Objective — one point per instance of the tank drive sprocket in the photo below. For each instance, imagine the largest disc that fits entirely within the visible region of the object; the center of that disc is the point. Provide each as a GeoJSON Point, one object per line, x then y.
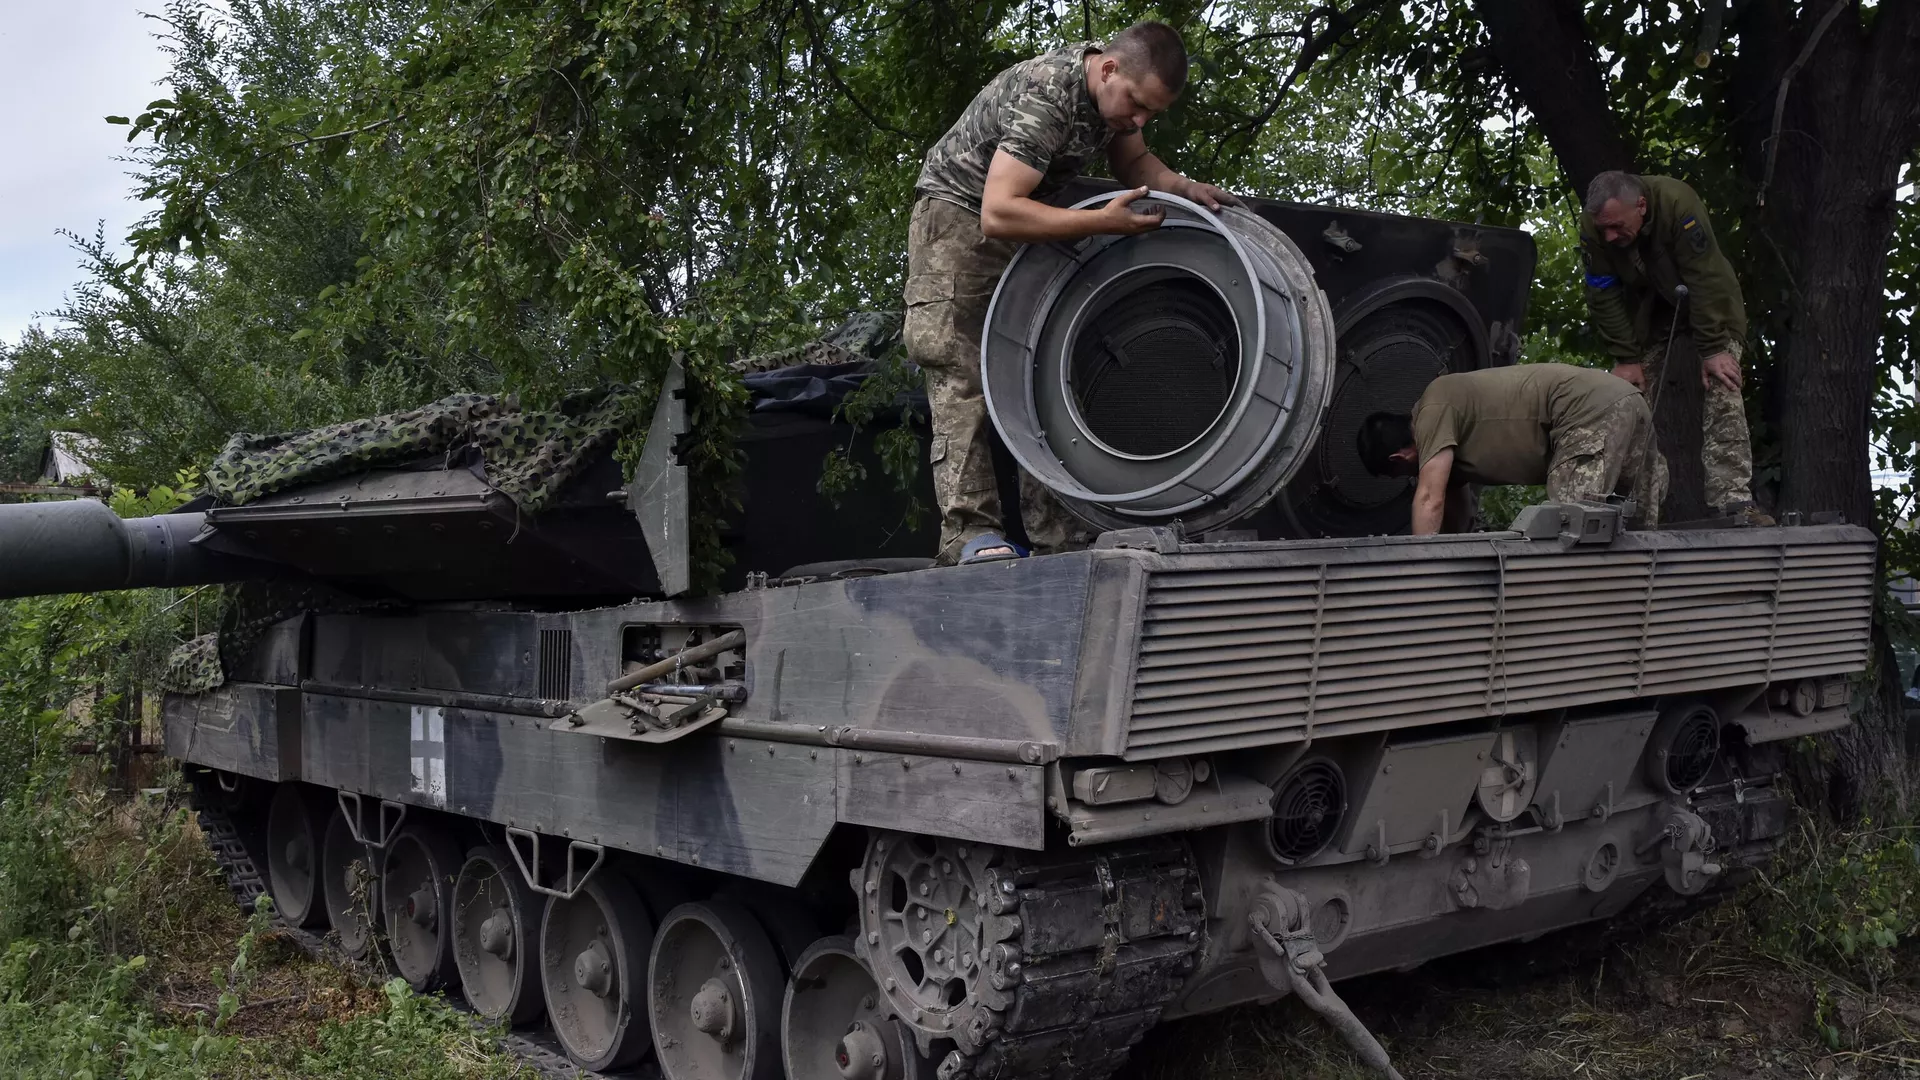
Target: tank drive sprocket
{"type": "Point", "coordinates": [1029, 964]}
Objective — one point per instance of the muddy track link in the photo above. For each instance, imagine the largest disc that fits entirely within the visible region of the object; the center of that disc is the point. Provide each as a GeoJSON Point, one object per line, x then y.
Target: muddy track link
{"type": "Point", "coordinates": [1082, 950]}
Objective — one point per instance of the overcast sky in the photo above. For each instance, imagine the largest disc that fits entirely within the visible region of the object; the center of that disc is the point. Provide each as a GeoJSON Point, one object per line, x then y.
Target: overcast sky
{"type": "Point", "coordinates": [64, 67]}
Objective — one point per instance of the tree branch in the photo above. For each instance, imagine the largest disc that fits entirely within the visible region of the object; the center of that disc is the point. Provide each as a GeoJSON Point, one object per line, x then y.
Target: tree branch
{"type": "Point", "coordinates": [833, 75]}
{"type": "Point", "coordinates": [1780, 97]}
{"type": "Point", "coordinates": [1546, 55]}
{"type": "Point", "coordinates": [1313, 47]}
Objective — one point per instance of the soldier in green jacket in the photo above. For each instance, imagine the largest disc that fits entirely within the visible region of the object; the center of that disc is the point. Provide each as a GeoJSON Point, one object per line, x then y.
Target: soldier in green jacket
{"type": "Point", "coordinates": [981, 191]}
{"type": "Point", "coordinates": [1641, 237]}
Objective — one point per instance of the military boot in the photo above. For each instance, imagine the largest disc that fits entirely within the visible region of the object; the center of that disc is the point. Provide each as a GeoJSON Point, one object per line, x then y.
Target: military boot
{"type": "Point", "coordinates": [1746, 513]}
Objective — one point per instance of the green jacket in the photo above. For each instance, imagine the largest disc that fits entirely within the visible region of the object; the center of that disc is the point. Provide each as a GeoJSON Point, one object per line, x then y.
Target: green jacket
{"type": "Point", "coordinates": [1676, 246]}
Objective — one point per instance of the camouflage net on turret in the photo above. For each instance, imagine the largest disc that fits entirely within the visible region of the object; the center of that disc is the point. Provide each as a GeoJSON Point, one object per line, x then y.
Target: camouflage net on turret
{"type": "Point", "coordinates": [528, 455]}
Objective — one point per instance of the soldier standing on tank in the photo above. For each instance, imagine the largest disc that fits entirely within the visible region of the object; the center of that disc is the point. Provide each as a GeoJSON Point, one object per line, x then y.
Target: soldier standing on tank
{"type": "Point", "coordinates": [1581, 432]}
{"type": "Point", "coordinates": [1032, 129]}
{"type": "Point", "coordinates": [1642, 236]}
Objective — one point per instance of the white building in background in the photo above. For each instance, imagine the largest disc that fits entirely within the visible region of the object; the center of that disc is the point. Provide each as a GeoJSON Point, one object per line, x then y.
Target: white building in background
{"type": "Point", "coordinates": [67, 458]}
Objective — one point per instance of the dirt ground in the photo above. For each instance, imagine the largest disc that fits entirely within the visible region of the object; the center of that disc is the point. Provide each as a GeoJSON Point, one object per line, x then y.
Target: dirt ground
{"type": "Point", "coordinates": [1680, 1003]}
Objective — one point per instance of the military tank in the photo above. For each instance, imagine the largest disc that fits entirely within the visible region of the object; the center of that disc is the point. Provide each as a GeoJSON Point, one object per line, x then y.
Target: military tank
{"type": "Point", "coordinates": [855, 815]}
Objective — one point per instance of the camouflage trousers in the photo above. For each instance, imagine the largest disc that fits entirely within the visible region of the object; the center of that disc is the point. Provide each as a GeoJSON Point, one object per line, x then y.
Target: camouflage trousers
{"type": "Point", "coordinates": [1613, 457]}
{"type": "Point", "coordinates": [951, 273]}
{"type": "Point", "coordinates": [1726, 453]}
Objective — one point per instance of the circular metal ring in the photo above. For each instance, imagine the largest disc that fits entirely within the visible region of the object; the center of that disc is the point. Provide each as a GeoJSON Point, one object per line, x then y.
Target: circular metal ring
{"type": "Point", "coordinates": [416, 882]}
{"type": "Point", "coordinates": [835, 1025]}
{"type": "Point", "coordinates": [593, 962]}
{"type": "Point", "coordinates": [294, 840]}
{"type": "Point", "coordinates": [714, 992]}
{"type": "Point", "coordinates": [1255, 300]}
{"type": "Point", "coordinates": [1070, 400]}
{"type": "Point", "coordinates": [496, 920]}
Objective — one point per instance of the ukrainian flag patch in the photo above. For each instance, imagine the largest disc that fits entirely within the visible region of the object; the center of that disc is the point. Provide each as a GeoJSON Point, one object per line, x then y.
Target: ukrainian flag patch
{"type": "Point", "coordinates": [1696, 236]}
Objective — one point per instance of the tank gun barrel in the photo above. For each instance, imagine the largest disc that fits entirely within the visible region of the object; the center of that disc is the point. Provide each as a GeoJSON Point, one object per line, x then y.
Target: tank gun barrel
{"type": "Point", "coordinates": [81, 546]}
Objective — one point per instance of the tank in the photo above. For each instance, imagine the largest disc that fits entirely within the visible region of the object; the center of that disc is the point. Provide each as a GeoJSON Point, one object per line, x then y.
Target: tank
{"type": "Point", "coordinates": [855, 815]}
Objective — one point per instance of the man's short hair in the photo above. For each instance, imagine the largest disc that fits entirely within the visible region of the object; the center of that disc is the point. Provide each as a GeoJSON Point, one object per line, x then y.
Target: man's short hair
{"type": "Point", "coordinates": [1381, 436]}
{"type": "Point", "coordinates": [1612, 185]}
{"type": "Point", "coordinates": [1152, 47]}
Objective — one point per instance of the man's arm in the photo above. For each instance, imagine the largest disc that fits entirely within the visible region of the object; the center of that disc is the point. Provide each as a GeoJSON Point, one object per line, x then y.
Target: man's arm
{"type": "Point", "coordinates": [1607, 306]}
{"type": "Point", "coordinates": [1008, 210]}
{"type": "Point", "coordinates": [1136, 166]}
{"type": "Point", "coordinates": [1715, 311]}
{"type": "Point", "coordinates": [1430, 493]}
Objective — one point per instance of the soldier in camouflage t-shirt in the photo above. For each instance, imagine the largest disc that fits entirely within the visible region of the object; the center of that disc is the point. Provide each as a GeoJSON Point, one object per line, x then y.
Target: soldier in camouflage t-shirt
{"type": "Point", "coordinates": [1033, 128]}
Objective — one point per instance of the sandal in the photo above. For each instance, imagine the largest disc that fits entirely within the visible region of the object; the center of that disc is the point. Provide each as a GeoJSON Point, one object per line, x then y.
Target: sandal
{"type": "Point", "coordinates": [988, 542]}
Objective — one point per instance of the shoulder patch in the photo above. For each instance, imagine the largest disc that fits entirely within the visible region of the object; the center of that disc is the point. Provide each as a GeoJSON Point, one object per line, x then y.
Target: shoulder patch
{"type": "Point", "coordinates": [1601, 281]}
{"type": "Point", "coordinates": [1696, 236]}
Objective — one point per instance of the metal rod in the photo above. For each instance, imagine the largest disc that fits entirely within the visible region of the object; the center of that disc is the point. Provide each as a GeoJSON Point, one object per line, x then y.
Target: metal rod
{"type": "Point", "coordinates": [1014, 751]}
{"type": "Point", "coordinates": [722, 691]}
{"type": "Point", "coordinates": [450, 699]}
{"type": "Point", "coordinates": [673, 663]}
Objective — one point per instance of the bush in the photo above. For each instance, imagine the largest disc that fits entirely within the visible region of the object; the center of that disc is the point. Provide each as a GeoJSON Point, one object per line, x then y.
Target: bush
{"type": "Point", "coordinates": [1847, 899]}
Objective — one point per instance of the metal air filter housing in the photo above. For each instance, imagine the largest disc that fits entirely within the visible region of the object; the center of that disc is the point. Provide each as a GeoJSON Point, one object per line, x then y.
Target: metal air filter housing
{"type": "Point", "coordinates": [1176, 374]}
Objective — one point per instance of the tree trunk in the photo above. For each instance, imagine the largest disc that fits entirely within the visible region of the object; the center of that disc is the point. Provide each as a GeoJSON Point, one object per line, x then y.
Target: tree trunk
{"type": "Point", "coordinates": [1849, 122]}
{"type": "Point", "coordinates": [1848, 125]}
{"type": "Point", "coordinates": [1547, 56]}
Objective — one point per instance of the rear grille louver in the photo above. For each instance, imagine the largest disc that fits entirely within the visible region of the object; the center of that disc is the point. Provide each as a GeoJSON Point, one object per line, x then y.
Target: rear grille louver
{"type": "Point", "coordinates": [556, 664]}
{"type": "Point", "coordinates": [1258, 655]}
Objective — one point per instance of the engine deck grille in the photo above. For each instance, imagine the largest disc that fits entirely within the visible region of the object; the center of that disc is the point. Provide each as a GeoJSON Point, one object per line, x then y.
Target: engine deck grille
{"type": "Point", "coordinates": [1386, 637]}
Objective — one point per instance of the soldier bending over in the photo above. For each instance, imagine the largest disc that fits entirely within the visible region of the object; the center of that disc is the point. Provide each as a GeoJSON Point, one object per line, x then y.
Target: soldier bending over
{"type": "Point", "coordinates": [1024, 136]}
{"type": "Point", "coordinates": [1580, 431]}
{"type": "Point", "coordinates": [1640, 237]}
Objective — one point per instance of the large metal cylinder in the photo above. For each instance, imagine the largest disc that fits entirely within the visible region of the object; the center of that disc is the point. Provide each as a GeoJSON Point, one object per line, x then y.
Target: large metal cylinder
{"type": "Point", "coordinates": [1177, 374]}
{"type": "Point", "coordinates": [81, 546]}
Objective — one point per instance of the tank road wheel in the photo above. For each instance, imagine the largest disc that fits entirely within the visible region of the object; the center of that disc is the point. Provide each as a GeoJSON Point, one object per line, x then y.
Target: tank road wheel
{"type": "Point", "coordinates": [416, 882]}
{"type": "Point", "coordinates": [593, 964]}
{"type": "Point", "coordinates": [496, 920]}
{"type": "Point", "coordinates": [294, 835]}
{"type": "Point", "coordinates": [351, 890]}
{"type": "Point", "coordinates": [835, 1025]}
{"type": "Point", "coordinates": [715, 987]}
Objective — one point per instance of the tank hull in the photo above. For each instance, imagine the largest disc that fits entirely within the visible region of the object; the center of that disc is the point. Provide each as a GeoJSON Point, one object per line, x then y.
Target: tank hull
{"type": "Point", "coordinates": [1500, 713]}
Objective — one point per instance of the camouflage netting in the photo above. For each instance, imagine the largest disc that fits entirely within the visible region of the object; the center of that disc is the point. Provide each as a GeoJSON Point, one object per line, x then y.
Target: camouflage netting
{"type": "Point", "coordinates": [863, 337]}
{"type": "Point", "coordinates": [249, 610]}
{"type": "Point", "coordinates": [527, 455]}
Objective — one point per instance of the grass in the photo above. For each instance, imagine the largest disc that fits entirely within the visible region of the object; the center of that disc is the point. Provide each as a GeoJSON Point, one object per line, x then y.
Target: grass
{"type": "Point", "coordinates": [150, 971]}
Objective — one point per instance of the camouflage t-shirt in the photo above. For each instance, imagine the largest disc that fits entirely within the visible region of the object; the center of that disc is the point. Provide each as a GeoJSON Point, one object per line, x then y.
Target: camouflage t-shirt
{"type": "Point", "coordinates": [1039, 111]}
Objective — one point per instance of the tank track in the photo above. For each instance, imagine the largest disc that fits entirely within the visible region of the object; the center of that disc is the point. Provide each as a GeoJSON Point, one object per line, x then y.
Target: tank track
{"type": "Point", "coordinates": [1087, 947]}
{"type": "Point", "coordinates": [233, 853]}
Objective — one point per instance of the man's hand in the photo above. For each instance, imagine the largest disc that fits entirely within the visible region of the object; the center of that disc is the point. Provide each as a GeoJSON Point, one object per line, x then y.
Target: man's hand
{"type": "Point", "coordinates": [1207, 195]}
{"type": "Point", "coordinates": [1633, 373]}
{"type": "Point", "coordinates": [1118, 217]}
{"type": "Point", "coordinates": [1721, 367]}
